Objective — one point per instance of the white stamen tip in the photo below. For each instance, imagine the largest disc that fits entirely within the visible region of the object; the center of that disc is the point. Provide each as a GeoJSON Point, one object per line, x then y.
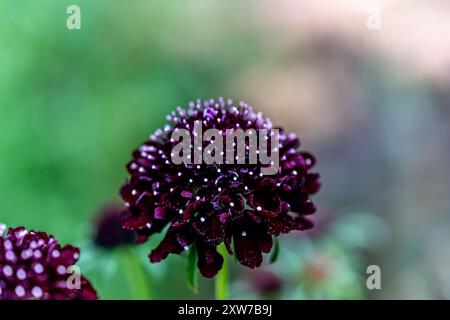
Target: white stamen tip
{"type": "Point", "coordinates": [2, 229]}
{"type": "Point", "coordinates": [21, 274]}
{"type": "Point", "coordinates": [61, 269]}
{"type": "Point", "coordinates": [37, 292]}
{"type": "Point", "coordinates": [10, 255]}
{"type": "Point", "coordinates": [8, 271]}
{"type": "Point", "coordinates": [38, 268]}
{"type": "Point", "coordinates": [20, 291]}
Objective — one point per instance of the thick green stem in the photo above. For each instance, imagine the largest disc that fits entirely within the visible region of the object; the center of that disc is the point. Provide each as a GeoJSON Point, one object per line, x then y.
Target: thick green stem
{"type": "Point", "coordinates": [137, 277]}
{"type": "Point", "coordinates": [221, 280]}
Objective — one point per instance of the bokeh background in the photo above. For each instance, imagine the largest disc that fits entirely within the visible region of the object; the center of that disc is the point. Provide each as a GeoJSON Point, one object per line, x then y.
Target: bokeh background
{"type": "Point", "coordinates": [373, 105]}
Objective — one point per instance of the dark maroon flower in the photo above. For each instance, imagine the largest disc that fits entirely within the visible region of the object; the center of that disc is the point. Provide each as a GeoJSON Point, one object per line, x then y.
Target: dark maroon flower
{"type": "Point", "coordinates": [33, 265]}
{"type": "Point", "coordinates": [109, 232]}
{"type": "Point", "coordinates": [265, 282]}
{"type": "Point", "coordinates": [207, 205]}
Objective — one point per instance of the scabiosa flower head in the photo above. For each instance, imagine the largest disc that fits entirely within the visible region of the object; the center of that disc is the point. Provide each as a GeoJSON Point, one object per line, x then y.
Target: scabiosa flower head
{"type": "Point", "coordinates": [33, 265]}
{"type": "Point", "coordinates": [109, 232]}
{"type": "Point", "coordinates": [209, 204]}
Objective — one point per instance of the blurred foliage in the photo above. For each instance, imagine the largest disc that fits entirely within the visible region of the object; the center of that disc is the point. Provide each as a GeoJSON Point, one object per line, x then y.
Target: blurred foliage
{"type": "Point", "coordinates": [74, 103]}
{"type": "Point", "coordinates": [327, 265]}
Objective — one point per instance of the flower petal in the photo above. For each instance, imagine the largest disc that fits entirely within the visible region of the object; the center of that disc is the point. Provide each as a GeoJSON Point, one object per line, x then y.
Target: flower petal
{"type": "Point", "coordinates": [248, 251]}
{"type": "Point", "coordinates": [209, 260]}
{"type": "Point", "coordinates": [169, 244]}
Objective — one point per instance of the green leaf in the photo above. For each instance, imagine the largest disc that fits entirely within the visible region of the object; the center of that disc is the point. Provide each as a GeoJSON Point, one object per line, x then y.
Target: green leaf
{"type": "Point", "coordinates": [276, 250]}
{"type": "Point", "coordinates": [192, 278]}
{"type": "Point", "coordinates": [138, 277]}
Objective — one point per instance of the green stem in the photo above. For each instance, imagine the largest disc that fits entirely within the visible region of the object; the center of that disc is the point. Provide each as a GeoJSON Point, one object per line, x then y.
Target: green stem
{"type": "Point", "coordinates": [137, 277]}
{"type": "Point", "coordinates": [221, 281]}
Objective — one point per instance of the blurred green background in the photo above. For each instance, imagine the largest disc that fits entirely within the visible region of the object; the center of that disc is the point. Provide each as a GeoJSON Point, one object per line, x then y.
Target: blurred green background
{"type": "Point", "coordinates": [372, 104]}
